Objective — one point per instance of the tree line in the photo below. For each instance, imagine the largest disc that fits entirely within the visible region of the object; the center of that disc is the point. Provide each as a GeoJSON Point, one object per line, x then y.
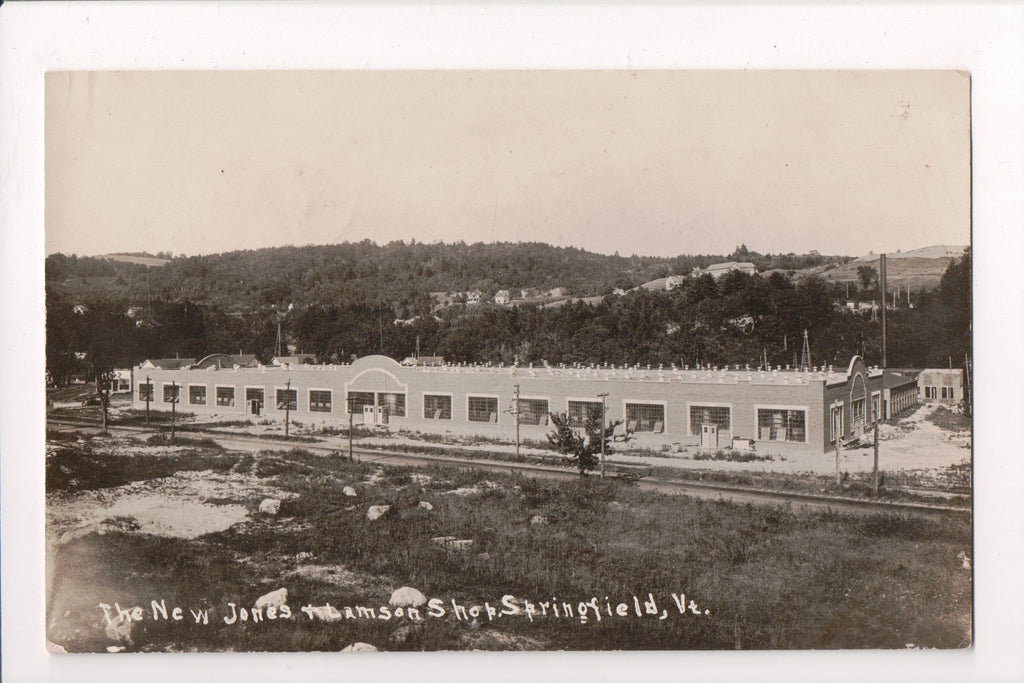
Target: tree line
{"type": "Point", "coordinates": [738, 319]}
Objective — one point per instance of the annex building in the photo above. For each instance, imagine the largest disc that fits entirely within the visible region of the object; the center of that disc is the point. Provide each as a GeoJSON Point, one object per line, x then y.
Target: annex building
{"type": "Point", "coordinates": [779, 410]}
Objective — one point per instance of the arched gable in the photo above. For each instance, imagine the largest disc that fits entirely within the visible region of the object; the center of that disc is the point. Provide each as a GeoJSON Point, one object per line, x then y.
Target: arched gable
{"type": "Point", "coordinates": [377, 373]}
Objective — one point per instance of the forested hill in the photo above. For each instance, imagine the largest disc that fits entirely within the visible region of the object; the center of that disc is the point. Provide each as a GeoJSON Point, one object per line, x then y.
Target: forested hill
{"type": "Point", "coordinates": [401, 273]}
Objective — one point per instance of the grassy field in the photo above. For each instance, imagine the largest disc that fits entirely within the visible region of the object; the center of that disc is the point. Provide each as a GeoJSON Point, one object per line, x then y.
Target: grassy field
{"type": "Point", "coordinates": [769, 577]}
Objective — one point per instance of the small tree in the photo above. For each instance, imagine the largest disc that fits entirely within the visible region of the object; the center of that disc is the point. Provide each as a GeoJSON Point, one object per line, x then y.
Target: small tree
{"type": "Point", "coordinates": [582, 449]}
{"type": "Point", "coordinates": [867, 275]}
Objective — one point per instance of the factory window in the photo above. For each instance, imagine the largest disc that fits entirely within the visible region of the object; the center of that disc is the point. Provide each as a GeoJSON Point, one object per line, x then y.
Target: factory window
{"type": "Point", "coordinates": [645, 417]}
{"type": "Point", "coordinates": [533, 411]}
{"type": "Point", "coordinates": [197, 394]}
{"type": "Point", "coordinates": [146, 392]}
{"type": "Point", "coordinates": [437, 407]}
{"type": "Point", "coordinates": [781, 424]}
{"type": "Point", "coordinates": [171, 392]}
{"type": "Point", "coordinates": [858, 412]}
{"type": "Point", "coordinates": [709, 415]}
{"type": "Point", "coordinates": [357, 399]}
{"type": "Point", "coordinates": [931, 392]}
{"type": "Point", "coordinates": [254, 394]}
{"type": "Point", "coordinates": [483, 409]}
{"type": "Point", "coordinates": [287, 399]}
{"type": "Point", "coordinates": [579, 411]}
{"type": "Point", "coordinates": [226, 396]}
{"type": "Point", "coordinates": [394, 403]}
{"type": "Point", "coordinates": [947, 392]}
{"type": "Point", "coordinates": [319, 400]}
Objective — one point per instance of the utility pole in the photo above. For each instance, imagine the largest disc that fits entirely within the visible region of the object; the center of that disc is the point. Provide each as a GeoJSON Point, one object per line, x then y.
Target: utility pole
{"type": "Point", "coordinates": [287, 405]}
{"type": "Point", "coordinates": [874, 470]}
{"type": "Point", "coordinates": [515, 411]}
{"type": "Point", "coordinates": [174, 402]}
{"type": "Point", "coordinates": [350, 425]}
{"type": "Point", "coordinates": [881, 268]}
{"type": "Point", "coordinates": [603, 423]}
{"type": "Point", "coordinates": [149, 392]}
{"type": "Point", "coordinates": [839, 481]}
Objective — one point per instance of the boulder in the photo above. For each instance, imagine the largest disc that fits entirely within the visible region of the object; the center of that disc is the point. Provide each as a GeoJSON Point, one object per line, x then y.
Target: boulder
{"type": "Point", "coordinates": [303, 556]}
{"type": "Point", "coordinates": [272, 599]}
{"type": "Point", "coordinates": [270, 506]}
{"type": "Point", "coordinates": [359, 647]}
{"type": "Point", "coordinates": [377, 511]}
{"type": "Point", "coordinates": [349, 491]}
{"type": "Point", "coordinates": [425, 505]}
{"type": "Point", "coordinates": [407, 597]}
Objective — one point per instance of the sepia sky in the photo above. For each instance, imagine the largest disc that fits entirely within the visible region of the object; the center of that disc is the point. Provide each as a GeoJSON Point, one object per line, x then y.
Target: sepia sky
{"type": "Point", "coordinates": [649, 162]}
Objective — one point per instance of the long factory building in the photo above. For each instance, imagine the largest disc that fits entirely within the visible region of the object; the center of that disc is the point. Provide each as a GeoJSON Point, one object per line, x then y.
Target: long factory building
{"type": "Point", "coordinates": [777, 411]}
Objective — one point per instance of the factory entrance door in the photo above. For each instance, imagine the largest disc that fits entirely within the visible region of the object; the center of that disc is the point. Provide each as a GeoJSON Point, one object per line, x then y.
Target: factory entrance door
{"type": "Point", "coordinates": [709, 436]}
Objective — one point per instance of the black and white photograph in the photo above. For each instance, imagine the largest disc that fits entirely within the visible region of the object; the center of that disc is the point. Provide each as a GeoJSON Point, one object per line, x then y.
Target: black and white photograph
{"type": "Point", "coordinates": [508, 358]}
{"type": "Point", "coordinates": [508, 361]}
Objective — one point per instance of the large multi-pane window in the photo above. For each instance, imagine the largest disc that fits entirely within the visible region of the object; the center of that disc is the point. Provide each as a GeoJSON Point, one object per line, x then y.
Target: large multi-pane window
{"type": "Point", "coordinates": [645, 417]}
{"type": "Point", "coordinates": [254, 394]}
{"type": "Point", "coordinates": [197, 394]}
{"type": "Point", "coordinates": [483, 409]}
{"type": "Point", "coordinates": [357, 399]}
{"type": "Point", "coordinates": [146, 392]}
{"type": "Point", "coordinates": [709, 415]}
{"type": "Point", "coordinates": [579, 411]}
{"type": "Point", "coordinates": [287, 399]}
{"type": "Point", "coordinates": [319, 400]}
{"type": "Point", "coordinates": [533, 411]}
{"type": "Point", "coordinates": [226, 396]}
{"type": "Point", "coordinates": [782, 424]}
{"type": "Point", "coordinates": [171, 392]}
{"type": "Point", "coordinates": [857, 407]}
{"type": "Point", "coordinates": [393, 402]}
{"type": "Point", "coordinates": [437, 407]}
{"type": "Point", "coordinates": [836, 421]}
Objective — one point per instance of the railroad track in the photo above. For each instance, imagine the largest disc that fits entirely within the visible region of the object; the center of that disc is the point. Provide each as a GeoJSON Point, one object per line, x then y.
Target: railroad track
{"type": "Point", "coordinates": [707, 491]}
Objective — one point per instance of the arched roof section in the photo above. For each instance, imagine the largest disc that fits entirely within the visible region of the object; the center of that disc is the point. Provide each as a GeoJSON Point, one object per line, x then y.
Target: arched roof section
{"type": "Point", "coordinates": [377, 373]}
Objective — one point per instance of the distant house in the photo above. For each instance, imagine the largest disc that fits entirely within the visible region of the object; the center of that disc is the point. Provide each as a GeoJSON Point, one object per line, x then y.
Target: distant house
{"type": "Point", "coordinates": [134, 311]}
{"type": "Point", "coordinates": [618, 291]}
{"type": "Point", "coordinates": [941, 385]}
{"type": "Point", "coordinates": [717, 270]}
{"type": "Point", "coordinates": [121, 383]}
{"type": "Point", "coordinates": [557, 291]}
{"type": "Point", "coordinates": [80, 309]}
{"type": "Point", "coordinates": [503, 297]}
{"type": "Point", "coordinates": [167, 363]}
{"type": "Point", "coordinates": [473, 297]}
{"type": "Point", "coordinates": [297, 359]}
{"type": "Point", "coordinates": [673, 281]}
{"type": "Point", "coordinates": [223, 361]}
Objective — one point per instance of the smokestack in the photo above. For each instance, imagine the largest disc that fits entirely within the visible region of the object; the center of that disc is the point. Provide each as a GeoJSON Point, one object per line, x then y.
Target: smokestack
{"type": "Point", "coordinates": [881, 274]}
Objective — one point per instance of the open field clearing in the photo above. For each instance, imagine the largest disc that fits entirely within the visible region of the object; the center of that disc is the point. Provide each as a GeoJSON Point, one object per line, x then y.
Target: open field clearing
{"type": "Point", "coordinates": [130, 523]}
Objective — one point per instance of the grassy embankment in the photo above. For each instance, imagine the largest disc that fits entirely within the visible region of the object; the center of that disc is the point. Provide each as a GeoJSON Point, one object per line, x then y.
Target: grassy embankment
{"type": "Point", "coordinates": [770, 576]}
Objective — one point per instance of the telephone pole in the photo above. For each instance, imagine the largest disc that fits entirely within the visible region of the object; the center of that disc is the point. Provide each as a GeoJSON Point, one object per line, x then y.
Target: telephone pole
{"type": "Point", "coordinates": [515, 411]}
{"type": "Point", "coordinates": [149, 393]}
{"type": "Point", "coordinates": [287, 405]}
{"type": "Point", "coordinates": [174, 402]}
{"type": "Point", "coordinates": [350, 425]}
{"type": "Point", "coordinates": [881, 275]}
{"type": "Point", "coordinates": [603, 397]}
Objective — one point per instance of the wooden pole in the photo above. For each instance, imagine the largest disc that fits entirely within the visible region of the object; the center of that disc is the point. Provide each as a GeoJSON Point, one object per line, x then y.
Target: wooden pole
{"type": "Point", "coordinates": [874, 471]}
{"type": "Point", "coordinates": [174, 402]}
{"type": "Point", "coordinates": [839, 481]}
{"type": "Point", "coordinates": [350, 425]}
{"type": "Point", "coordinates": [287, 405]}
{"type": "Point", "coordinates": [149, 390]}
{"type": "Point", "coordinates": [603, 423]}
{"type": "Point", "coordinates": [516, 412]}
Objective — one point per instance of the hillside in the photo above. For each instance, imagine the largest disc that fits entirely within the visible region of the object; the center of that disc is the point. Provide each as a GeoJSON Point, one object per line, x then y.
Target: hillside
{"type": "Point", "coordinates": [916, 269]}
